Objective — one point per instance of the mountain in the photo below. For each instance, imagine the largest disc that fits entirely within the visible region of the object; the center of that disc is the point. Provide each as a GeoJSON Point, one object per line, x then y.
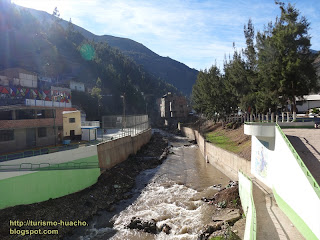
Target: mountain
{"type": "Point", "coordinates": [165, 68]}
{"type": "Point", "coordinates": [45, 47]}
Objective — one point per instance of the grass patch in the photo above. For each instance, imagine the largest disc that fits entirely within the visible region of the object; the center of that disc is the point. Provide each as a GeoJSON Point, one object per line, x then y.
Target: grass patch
{"type": "Point", "coordinates": [217, 238]}
{"type": "Point", "coordinates": [222, 141]}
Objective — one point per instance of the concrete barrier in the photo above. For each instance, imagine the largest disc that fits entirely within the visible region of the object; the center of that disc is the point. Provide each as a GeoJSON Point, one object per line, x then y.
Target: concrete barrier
{"type": "Point", "coordinates": [26, 187]}
{"type": "Point", "coordinates": [246, 195]}
{"type": "Point", "coordinates": [276, 163]}
{"type": "Point", "coordinates": [113, 152]}
{"type": "Point", "coordinates": [227, 162]}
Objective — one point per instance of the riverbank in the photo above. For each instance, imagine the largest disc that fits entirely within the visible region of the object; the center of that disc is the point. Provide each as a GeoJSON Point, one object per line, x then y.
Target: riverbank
{"type": "Point", "coordinates": [112, 186]}
{"type": "Point", "coordinates": [229, 136]}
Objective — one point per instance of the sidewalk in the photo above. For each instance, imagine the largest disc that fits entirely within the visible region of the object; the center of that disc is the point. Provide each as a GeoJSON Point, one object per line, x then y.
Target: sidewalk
{"type": "Point", "coordinates": [306, 143]}
{"type": "Point", "coordinates": [272, 223]}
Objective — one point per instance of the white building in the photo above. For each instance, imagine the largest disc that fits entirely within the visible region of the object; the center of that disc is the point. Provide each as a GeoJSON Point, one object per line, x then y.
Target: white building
{"type": "Point", "coordinates": [77, 86]}
{"type": "Point", "coordinates": [308, 102]}
{"type": "Point", "coordinates": [20, 77]}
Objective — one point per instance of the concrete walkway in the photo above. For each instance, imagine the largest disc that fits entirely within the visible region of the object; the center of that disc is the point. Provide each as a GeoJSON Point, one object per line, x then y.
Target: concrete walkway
{"type": "Point", "coordinates": [307, 144]}
{"type": "Point", "coordinates": [272, 223]}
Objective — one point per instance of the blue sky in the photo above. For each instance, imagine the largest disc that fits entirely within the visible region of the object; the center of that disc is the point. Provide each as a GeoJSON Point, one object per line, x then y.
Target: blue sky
{"type": "Point", "coordinates": [195, 32]}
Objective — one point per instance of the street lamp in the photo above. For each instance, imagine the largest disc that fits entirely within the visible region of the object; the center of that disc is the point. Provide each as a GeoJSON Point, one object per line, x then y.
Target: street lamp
{"type": "Point", "coordinates": [124, 110]}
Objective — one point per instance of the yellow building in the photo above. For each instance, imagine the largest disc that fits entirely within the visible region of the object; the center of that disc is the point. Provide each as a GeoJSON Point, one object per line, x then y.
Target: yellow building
{"type": "Point", "coordinates": [72, 125]}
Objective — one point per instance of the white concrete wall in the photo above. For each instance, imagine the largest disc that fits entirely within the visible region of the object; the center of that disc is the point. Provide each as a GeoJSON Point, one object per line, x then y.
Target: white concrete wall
{"type": "Point", "coordinates": [292, 185]}
{"type": "Point", "coordinates": [4, 81]}
{"type": "Point", "coordinates": [259, 130]}
{"type": "Point", "coordinates": [275, 165]}
{"type": "Point", "coordinates": [42, 103]}
{"type": "Point", "coordinates": [262, 158]}
{"type": "Point", "coordinates": [88, 134]}
{"type": "Point", "coordinates": [27, 80]}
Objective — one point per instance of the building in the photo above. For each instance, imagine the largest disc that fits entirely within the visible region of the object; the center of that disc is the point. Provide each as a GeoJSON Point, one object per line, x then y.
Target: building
{"type": "Point", "coordinates": [77, 86]}
{"type": "Point", "coordinates": [20, 77]}
{"type": "Point", "coordinates": [173, 108]}
{"type": "Point", "coordinates": [23, 127]}
{"type": "Point", "coordinates": [18, 86]}
{"type": "Point", "coordinates": [308, 102]}
{"type": "Point", "coordinates": [71, 124]}
{"type": "Point", "coordinates": [89, 133]}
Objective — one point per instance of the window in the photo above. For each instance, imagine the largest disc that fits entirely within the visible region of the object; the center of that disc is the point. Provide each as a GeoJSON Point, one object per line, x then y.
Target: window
{"type": "Point", "coordinates": [6, 135]}
{"type": "Point", "coordinates": [42, 132]}
{"type": "Point", "coordinates": [25, 114]}
{"type": "Point", "coordinates": [6, 115]}
{"type": "Point", "coordinates": [72, 120]}
{"type": "Point", "coordinates": [40, 113]}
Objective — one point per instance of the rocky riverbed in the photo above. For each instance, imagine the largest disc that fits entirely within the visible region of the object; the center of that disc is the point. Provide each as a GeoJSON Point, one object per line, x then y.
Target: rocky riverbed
{"type": "Point", "coordinates": [112, 186]}
{"type": "Point", "coordinates": [177, 202]}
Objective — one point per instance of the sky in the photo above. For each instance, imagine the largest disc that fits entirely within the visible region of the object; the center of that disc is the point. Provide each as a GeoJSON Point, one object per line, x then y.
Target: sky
{"type": "Point", "coordinates": [197, 33]}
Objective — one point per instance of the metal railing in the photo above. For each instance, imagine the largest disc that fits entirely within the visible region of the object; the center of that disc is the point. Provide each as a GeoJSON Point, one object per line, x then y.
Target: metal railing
{"type": "Point", "coordinates": [36, 152]}
{"type": "Point", "coordinates": [109, 134]}
{"type": "Point", "coordinates": [47, 166]}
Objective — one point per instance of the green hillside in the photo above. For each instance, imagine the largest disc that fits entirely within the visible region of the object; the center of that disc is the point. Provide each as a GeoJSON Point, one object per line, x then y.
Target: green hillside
{"type": "Point", "coordinates": [51, 50]}
{"type": "Point", "coordinates": [165, 68]}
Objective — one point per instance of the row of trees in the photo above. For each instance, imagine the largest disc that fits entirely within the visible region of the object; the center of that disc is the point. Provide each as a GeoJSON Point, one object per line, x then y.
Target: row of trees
{"type": "Point", "coordinates": [273, 69]}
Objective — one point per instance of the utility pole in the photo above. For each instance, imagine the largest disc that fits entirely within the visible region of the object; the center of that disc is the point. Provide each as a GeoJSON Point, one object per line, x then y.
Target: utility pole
{"type": "Point", "coordinates": [124, 110]}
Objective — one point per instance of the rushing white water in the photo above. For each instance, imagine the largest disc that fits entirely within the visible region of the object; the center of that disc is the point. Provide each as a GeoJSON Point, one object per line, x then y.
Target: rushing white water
{"type": "Point", "coordinates": [172, 195]}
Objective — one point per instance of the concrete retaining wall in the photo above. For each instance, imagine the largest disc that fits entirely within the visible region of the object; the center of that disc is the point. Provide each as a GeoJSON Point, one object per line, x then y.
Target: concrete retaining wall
{"type": "Point", "coordinates": [43, 185]}
{"type": "Point", "coordinates": [26, 187]}
{"type": "Point", "coordinates": [113, 152]}
{"type": "Point", "coordinates": [227, 162]}
{"type": "Point", "coordinates": [246, 195]}
{"type": "Point", "coordinates": [276, 164]}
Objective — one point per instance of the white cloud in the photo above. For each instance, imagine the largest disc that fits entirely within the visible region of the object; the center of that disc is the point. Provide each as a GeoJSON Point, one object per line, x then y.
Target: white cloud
{"type": "Point", "coordinates": [195, 32]}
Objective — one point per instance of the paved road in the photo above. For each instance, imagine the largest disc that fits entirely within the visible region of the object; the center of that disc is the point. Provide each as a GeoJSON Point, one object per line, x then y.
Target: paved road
{"type": "Point", "coordinates": [307, 144]}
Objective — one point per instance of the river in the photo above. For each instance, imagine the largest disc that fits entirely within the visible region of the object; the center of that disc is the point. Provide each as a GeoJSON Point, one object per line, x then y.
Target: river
{"type": "Point", "coordinates": [170, 193]}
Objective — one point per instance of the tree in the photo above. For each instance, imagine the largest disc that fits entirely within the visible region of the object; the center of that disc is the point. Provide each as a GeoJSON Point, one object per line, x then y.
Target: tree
{"type": "Point", "coordinates": [285, 61]}
{"type": "Point", "coordinates": [236, 81]}
{"type": "Point", "coordinates": [209, 94]}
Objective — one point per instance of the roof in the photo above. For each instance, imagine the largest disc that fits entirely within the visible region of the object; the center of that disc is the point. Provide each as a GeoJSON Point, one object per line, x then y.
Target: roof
{"type": "Point", "coordinates": [314, 97]}
{"type": "Point", "coordinates": [89, 127]}
{"type": "Point", "coordinates": [66, 112]}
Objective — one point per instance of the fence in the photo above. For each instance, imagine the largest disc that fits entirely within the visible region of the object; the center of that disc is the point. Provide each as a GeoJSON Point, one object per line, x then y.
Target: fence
{"type": "Point", "coordinates": [272, 117]}
{"type": "Point", "coordinates": [47, 166]}
{"type": "Point", "coordinates": [118, 121]}
{"type": "Point", "coordinates": [36, 152]}
{"type": "Point", "coordinates": [114, 127]}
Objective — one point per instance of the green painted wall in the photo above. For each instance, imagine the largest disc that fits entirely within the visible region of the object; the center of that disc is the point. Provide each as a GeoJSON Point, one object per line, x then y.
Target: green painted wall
{"type": "Point", "coordinates": [295, 218]}
{"type": "Point", "coordinates": [43, 185]}
{"type": "Point", "coordinates": [246, 195]}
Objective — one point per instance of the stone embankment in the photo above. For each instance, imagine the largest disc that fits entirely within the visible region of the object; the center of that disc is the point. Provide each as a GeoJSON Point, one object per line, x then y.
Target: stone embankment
{"type": "Point", "coordinates": [112, 186]}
